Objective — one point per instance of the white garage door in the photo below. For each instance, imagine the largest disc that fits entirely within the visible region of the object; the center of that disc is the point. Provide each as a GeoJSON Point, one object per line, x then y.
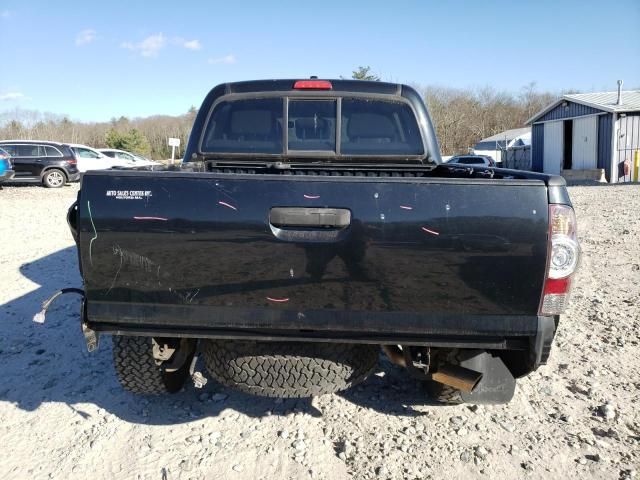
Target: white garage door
{"type": "Point", "coordinates": [552, 160]}
{"type": "Point", "coordinates": [585, 150]}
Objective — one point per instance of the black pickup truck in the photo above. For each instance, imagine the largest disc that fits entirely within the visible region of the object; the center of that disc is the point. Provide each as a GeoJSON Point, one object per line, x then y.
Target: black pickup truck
{"type": "Point", "coordinates": [312, 226]}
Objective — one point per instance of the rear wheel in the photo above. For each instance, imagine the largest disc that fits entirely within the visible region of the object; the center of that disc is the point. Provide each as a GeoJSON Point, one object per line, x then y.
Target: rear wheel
{"type": "Point", "coordinates": [289, 369]}
{"type": "Point", "coordinates": [139, 372]}
{"type": "Point", "coordinates": [54, 178]}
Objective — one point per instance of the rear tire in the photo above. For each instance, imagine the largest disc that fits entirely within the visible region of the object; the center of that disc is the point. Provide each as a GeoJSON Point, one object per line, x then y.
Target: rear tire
{"type": "Point", "coordinates": [138, 371]}
{"type": "Point", "coordinates": [54, 178]}
{"type": "Point", "coordinates": [289, 369]}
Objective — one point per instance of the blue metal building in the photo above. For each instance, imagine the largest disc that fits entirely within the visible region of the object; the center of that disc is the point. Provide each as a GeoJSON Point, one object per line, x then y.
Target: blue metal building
{"type": "Point", "coordinates": [589, 131]}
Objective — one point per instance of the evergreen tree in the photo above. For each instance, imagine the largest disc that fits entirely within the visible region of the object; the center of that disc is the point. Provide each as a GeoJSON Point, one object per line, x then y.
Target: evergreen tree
{"type": "Point", "coordinates": [132, 141]}
{"type": "Point", "coordinates": [364, 73]}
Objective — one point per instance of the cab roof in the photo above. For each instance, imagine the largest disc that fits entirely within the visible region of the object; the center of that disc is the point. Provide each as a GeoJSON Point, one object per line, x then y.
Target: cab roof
{"type": "Point", "coordinates": [282, 85]}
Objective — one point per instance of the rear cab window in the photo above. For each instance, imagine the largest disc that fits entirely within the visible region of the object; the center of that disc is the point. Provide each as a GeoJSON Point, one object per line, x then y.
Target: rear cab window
{"type": "Point", "coordinates": [331, 126]}
{"type": "Point", "coordinates": [383, 127]}
{"type": "Point", "coordinates": [312, 125]}
{"type": "Point", "coordinates": [245, 126]}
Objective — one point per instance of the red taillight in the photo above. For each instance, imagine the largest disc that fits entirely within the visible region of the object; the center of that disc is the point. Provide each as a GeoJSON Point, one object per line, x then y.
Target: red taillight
{"type": "Point", "coordinates": [312, 85]}
{"type": "Point", "coordinates": [556, 286]}
{"type": "Point", "coordinates": [563, 255]}
{"type": "Point", "coordinates": [72, 162]}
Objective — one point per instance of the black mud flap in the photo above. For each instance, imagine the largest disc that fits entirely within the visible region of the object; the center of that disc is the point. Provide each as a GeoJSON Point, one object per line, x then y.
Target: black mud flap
{"type": "Point", "coordinates": [497, 384]}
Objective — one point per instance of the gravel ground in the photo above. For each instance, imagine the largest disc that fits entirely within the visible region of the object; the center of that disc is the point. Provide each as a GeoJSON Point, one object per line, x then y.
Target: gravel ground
{"type": "Point", "coordinates": [63, 414]}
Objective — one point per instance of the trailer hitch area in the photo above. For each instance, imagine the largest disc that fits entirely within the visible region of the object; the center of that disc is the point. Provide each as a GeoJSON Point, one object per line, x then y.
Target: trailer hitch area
{"type": "Point", "coordinates": [91, 337]}
{"type": "Point", "coordinates": [162, 352]}
{"type": "Point", "coordinates": [40, 316]}
{"type": "Point", "coordinates": [170, 354]}
{"type": "Point", "coordinates": [199, 380]}
{"type": "Point", "coordinates": [417, 360]}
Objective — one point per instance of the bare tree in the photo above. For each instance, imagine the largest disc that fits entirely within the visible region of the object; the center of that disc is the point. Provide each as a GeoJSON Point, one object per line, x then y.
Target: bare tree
{"type": "Point", "coordinates": [462, 117]}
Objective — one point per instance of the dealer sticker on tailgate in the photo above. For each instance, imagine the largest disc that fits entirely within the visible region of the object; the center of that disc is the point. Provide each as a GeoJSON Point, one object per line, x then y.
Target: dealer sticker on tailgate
{"type": "Point", "coordinates": [129, 194]}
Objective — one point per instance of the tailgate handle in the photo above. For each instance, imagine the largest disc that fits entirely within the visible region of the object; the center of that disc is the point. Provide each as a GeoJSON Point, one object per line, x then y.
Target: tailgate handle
{"type": "Point", "coordinates": [301, 217]}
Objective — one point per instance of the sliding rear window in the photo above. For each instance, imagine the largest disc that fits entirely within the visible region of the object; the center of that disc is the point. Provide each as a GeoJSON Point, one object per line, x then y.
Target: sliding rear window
{"type": "Point", "coordinates": [327, 126]}
{"type": "Point", "coordinates": [245, 126]}
{"type": "Point", "coordinates": [312, 125]}
{"type": "Point", "coordinates": [379, 127]}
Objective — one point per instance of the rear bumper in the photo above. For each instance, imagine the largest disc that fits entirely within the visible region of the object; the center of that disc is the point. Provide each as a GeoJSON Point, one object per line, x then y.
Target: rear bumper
{"type": "Point", "coordinates": [6, 175]}
{"type": "Point", "coordinates": [73, 177]}
{"type": "Point", "coordinates": [499, 332]}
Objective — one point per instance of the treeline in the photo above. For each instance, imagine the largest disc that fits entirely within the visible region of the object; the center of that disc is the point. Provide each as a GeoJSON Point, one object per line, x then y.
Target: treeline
{"type": "Point", "coordinates": [462, 117]}
{"type": "Point", "coordinates": [146, 136]}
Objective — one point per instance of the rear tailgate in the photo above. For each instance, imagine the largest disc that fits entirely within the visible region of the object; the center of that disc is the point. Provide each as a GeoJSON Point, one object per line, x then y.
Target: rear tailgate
{"type": "Point", "coordinates": [228, 250]}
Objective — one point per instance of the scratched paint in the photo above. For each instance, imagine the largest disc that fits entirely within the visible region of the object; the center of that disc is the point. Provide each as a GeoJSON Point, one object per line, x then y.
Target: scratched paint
{"type": "Point", "coordinates": [406, 207]}
{"type": "Point", "coordinates": [277, 300]}
{"type": "Point", "coordinates": [186, 297]}
{"type": "Point", "coordinates": [161, 219]}
{"type": "Point", "coordinates": [116, 251]}
{"type": "Point", "coordinates": [432, 232]}
{"type": "Point", "coordinates": [95, 233]}
{"type": "Point", "coordinates": [225, 204]}
{"type": "Point", "coordinates": [219, 188]}
{"type": "Point", "coordinates": [145, 264]}
{"type": "Point", "coordinates": [189, 296]}
{"type": "Point", "coordinates": [134, 259]}
{"type": "Point", "coordinates": [311, 197]}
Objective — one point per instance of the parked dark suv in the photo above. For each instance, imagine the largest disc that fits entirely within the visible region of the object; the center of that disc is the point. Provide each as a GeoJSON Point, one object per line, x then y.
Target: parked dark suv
{"type": "Point", "coordinates": [51, 163]}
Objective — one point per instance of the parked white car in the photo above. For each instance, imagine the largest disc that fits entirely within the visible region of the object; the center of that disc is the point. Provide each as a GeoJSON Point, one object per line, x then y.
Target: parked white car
{"type": "Point", "coordinates": [131, 160]}
{"type": "Point", "coordinates": [91, 159]}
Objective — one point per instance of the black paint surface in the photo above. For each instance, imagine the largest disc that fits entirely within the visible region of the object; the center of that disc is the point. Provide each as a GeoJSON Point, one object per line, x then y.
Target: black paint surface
{"type": "Point", "coordinates": [421, 246]}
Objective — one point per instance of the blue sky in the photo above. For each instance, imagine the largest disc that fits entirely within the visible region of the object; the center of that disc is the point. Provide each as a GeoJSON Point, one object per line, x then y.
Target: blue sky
{"type": "Point", "coordinates": [97, 60]}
